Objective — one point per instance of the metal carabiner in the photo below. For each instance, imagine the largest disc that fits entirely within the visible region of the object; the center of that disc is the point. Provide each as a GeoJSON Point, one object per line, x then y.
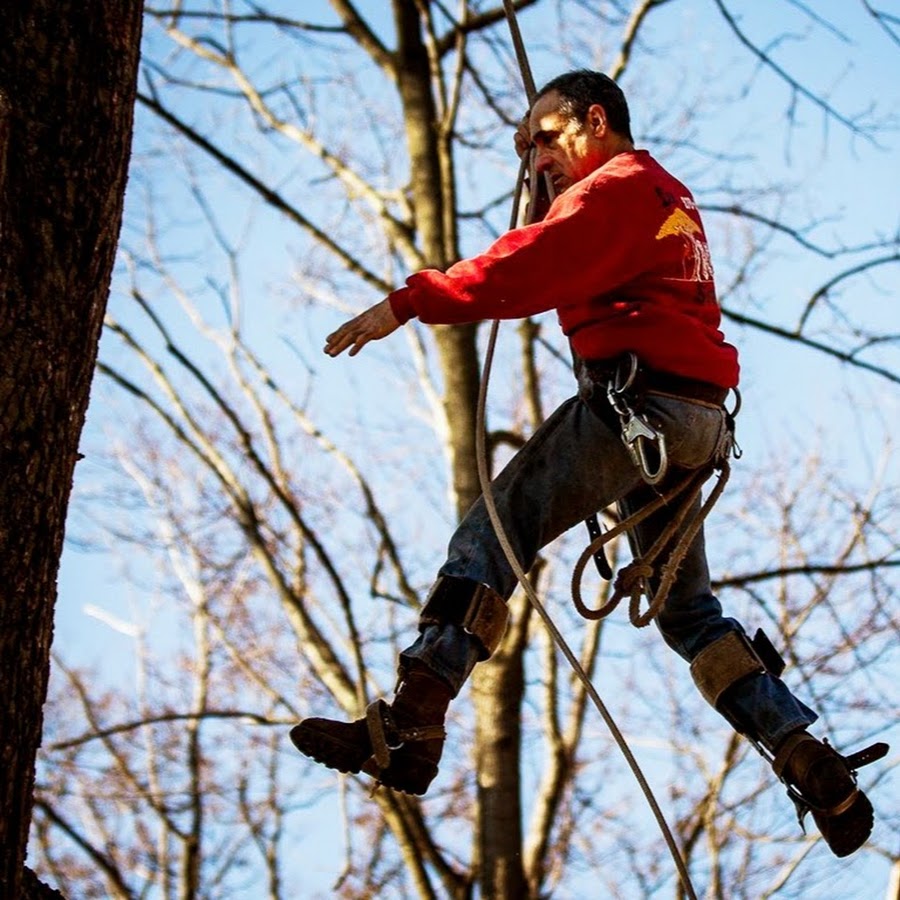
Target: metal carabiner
{"type": "Point", "coordinates": [618, 384]}
{"type": "Point", "coordinates": [636, 432]}
{"type": "Point", "coordinates": [653, 477]}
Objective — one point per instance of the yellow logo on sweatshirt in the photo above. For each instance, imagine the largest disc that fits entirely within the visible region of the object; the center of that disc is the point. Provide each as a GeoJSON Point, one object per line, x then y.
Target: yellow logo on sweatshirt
{"type": "Point", "coordinates": [697, 262]}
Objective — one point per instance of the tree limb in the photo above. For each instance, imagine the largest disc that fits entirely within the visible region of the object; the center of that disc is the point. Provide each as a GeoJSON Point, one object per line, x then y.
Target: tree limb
{"type": "Point", "coordinates": [271, 197]}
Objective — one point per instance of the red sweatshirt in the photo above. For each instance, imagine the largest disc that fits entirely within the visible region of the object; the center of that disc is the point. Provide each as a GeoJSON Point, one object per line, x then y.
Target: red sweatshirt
{"type": "Point", "coordinates": [621, 256]}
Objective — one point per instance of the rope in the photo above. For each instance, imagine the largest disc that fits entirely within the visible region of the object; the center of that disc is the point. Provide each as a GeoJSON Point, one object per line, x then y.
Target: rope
{"type": "Point", "coordinates": [633, 579]}
{"type": "Point", "coordinates": [485, 481]}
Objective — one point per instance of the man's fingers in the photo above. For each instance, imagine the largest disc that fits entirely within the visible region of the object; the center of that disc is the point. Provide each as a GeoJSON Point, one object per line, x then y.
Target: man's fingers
{"type": "Point", "coordinates": [347, 336]}
{"type": "Point", "coordinates": [358, 345]}
{"type": "Point", "coordinates": [371, 325]}
{"type": "Point", "coordinates": [522, 137]}
{"type": "Point", "coordinates": [337, 342]}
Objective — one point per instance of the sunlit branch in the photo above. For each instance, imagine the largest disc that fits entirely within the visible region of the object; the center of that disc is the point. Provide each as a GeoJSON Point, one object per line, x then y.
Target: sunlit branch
{"type": "Point", "coordinates": [632, 29]}
{"type": "Point", "coordinates": [354, 183]}
{"type": "Point", "coordinates": [373, 509]}
{"type": "Point", "coordinates": [849, 358]}
{"type": "Point", "coordinates": [364, 36]}
{"type": "Point", "coordinates": [287, 502]}
{"type": "Point", "coordinates": [328, 666]}
{"type": "Point", "coordinates": [842, 276]}
{"type": "Point", "coordinates": [271, 197]}
{"type": "Point", "coordinates": [792, 82]}
{"type": "Point", "coordinates": [475, 23]}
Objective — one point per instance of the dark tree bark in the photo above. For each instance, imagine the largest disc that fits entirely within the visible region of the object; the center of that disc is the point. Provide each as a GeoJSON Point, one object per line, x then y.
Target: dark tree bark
{"type": "Point", "coordinates": [67, 81]}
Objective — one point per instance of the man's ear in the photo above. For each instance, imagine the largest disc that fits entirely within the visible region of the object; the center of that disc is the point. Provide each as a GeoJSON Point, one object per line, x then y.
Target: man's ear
{"type": "Point", "coordinates": [596, 119]}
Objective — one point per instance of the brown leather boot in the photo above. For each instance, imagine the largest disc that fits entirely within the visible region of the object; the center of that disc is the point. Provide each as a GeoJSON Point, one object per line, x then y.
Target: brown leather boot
{"type": "Point", "coordinates": [399, 744]}
{"type": "Point", "coordinates": [823, 782]}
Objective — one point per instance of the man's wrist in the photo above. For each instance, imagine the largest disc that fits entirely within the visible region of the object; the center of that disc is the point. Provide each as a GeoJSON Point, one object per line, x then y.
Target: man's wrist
{"type": "Point", "coordinates": [401, 305]}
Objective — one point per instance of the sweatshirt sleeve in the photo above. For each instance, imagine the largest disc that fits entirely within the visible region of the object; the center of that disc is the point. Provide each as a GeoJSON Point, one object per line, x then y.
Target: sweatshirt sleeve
{"type": "Point", "coordinates": [589, 243]}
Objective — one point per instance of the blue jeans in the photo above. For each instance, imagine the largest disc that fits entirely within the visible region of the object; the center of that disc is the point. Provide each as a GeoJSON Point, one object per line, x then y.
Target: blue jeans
{"type": "Point", "coordinates": [574, 465]}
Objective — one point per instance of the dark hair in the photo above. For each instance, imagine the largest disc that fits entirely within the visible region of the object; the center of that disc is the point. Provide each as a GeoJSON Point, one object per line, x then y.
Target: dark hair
{"type": "Point", "coordinates": [580, 89]}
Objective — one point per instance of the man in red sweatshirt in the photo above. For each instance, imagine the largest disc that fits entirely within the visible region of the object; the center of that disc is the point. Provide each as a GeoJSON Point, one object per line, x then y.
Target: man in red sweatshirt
{"type": "Point", "coordinates": [622, 257]}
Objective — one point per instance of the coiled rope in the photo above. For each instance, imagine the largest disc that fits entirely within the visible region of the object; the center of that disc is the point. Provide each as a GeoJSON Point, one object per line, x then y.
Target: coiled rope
{"type": "Point", "coordinates": [485, 481]}
{"type": "Point", "coordinates": [633, 578]}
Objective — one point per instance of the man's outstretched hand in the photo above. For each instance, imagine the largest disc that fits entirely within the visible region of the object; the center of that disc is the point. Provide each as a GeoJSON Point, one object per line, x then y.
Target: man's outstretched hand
{"type": "Point", "coordinates": [375, 323]}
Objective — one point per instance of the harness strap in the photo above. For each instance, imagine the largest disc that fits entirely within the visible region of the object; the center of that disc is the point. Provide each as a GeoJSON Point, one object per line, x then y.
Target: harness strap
{"type": "Point", "coordinates": [652, 381]}
{"type": "Point", "coordinates": [627, 383]}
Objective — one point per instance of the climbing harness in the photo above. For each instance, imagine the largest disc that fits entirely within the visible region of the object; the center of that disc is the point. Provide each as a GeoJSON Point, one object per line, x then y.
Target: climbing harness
{"type": "Point", "coordinates": [626, 385]}
{"type": "Point", "coordinates": [684, 523]}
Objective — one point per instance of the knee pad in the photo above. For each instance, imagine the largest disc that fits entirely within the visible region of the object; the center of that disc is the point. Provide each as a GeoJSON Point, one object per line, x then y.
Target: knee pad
{"type": "Point", "coordinates": [476, 608]}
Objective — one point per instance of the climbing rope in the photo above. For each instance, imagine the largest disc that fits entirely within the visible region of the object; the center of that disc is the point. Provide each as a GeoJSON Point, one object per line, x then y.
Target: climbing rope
{"type": "Point", "coordinates": [485, 481]}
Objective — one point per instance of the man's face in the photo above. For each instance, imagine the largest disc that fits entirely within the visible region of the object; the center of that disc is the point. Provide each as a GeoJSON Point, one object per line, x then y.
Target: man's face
{"type": "Point", "coordinates": [566, 149]}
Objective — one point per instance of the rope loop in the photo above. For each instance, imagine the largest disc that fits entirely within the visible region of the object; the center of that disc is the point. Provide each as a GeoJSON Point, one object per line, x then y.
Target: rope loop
{"type": "Point", "coordinates": [634, 579]}
{"type": "Point", "coordinates": [631, 577]}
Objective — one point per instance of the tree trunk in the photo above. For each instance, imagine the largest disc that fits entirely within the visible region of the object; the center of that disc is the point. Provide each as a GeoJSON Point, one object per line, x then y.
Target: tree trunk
{"type": "Point", "coordinates": [432, 184]}
{"type": "Point", "coordinates": [498, 688]}
{"type": "Point", "coordinates": [498, 685]}
{"type": "Point", "coordinates": [67, 81]}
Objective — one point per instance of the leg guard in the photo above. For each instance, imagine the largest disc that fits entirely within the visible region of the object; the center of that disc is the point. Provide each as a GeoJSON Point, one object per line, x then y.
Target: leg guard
{"type": "Point", "coordinates": [476, 608]}
{"type": "Point", "coordinates": [818, 778]}
{"type": "Point", "coordinates": [729, 660]}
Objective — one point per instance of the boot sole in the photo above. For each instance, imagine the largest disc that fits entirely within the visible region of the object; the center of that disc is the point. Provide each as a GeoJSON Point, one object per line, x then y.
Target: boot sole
{"type": "Point", "coordinates": [409, 779]}
{"type": "Point", "coordinates": [410, 775]}
{"type": "Point", "coordinates": [848, 831]}
{"type": "Point", "coordinates": [329, 751]}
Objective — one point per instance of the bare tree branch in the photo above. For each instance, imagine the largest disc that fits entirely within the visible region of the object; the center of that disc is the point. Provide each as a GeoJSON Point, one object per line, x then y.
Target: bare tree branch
{"type": "Point", "coordinates": [796, 86]}
{"type": "Point", "coordinates": [218, 714]}
{"type": "Point", "coordinates": [114, 876]}
{"type": "Point", "coordinates": [261, 18]}
{"type": "Point", "coordinates": [823, 291]}
{"type": "Point", "coordinates": [271, 197]}
{"type": "Point", "coordinates": [847, 357]}
{"type": "Point", "coordinates": [845, 568]}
